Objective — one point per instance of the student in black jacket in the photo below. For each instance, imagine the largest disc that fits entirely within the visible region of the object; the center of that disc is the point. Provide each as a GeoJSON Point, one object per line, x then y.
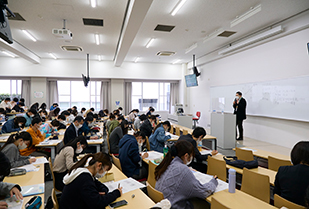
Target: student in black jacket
{"type": "Point", "coordinates": [240, 106]}
{"type": "Point", "coordinates": [62, 121]}
{"type": "Point", "coordinates": [72, 131]}
{"type": "Point", "coordinates": [292, 181]}
{"type": "Point", "coordinates": [19, 107]}
{"type": "Point", "coordinates": [82, 189]}
{"type": "Point", "coordinates": [146, 126]}
{"type": "Point", "coordinates": [197, 136]}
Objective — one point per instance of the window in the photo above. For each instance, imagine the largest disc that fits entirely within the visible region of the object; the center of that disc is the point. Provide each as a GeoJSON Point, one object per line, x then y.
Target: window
{"type": "Point", "coordinates": [146, 94]}
{"type": "Point", "coordinates": [74, 93]}
{"type": "Point", "coordinates": [10, 88]}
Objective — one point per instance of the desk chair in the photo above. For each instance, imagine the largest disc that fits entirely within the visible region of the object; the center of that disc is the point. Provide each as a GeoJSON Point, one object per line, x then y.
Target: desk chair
{"type": "Point", "coordinates": [185, 132]}
{"type": "Point", "coordinates": [117, 163]}
{"type": "Point", "coordinates": [107, 140]}
{"type": "Point", "coordinates": [51, 169]}
{"type": "Point", "coordinates": [246, 155]}
{"type": "Point", "coordinates": [280, 202]}
{"type": "Point", "coordinates": [275, 163]}
{"type": "Point", "coordinates": [177, 131]}
{"type": "Point", "coordinates": [147, 143]}
{"type": "Point", "coordinates": [215, 204]}
{"type": "Point", "coordinates": [151, 176]}
{"type": "Point", "coordinates": [256, 184]}
{"type": "Point", "coordinates": [154, 194]}
{"type": "Point", "coordinates": [172, 129]}
{"type": "Point", "coordinates": [216, 167]}
{"type": "Point", "coordinates": [54, 199]}
{"type": "Point", "coordinates": [196, 119]}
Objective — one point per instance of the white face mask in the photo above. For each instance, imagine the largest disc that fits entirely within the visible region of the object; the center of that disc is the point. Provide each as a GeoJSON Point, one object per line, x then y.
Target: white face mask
{"type": "Point", "coordinates": [63, 122]}
{"type": "Point", "coordinates": [99, 175]}
{"type": "Point", "coordinates": [237, 97]}
{"type": "Point", "coordinates": [43, 116]}
{"type": "Point", "coordinates": [91, 124]}
{"type": "Point", "coordinates": [79, 126]}
{"type": "Point", "coordinates": [31, 116]}
{"type": "Point", "coordinates": [23, 146]}
{"type": "Point", "coordinates": [188, 163]}
{"type": "Point", "coordinates": [20, 124]}
{"type": "Point", "coordinates": [79, 150]}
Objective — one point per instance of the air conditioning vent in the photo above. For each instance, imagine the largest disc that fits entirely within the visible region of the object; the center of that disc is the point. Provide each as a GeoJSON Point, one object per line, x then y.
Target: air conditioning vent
{"type": "Point", "coordinates": [93, 22]}
{"type": "Point", "coordinates": [17, 17]}
{"type": "Point", "coordinates": [165, 53]}
{"type": "Point", "coordinates": [226, 33]}
{"type": "Point", "coordinates": [72, 48]}
{"type": "Point", "coordinates": [164, 28]}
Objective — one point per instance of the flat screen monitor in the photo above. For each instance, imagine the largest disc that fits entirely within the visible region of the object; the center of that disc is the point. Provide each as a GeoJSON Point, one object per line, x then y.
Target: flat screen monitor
{"type": "Point", "coordinates": [191, 80]}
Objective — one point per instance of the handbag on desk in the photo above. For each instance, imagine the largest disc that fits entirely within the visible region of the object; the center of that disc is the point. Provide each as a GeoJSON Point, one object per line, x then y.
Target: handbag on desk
{"type": "Point", "coordinates": [34, 203]}
{"type": "Point", "coordinates": [233, 161]}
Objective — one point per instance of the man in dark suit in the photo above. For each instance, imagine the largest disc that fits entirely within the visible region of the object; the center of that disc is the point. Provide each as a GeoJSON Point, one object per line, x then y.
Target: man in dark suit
{"type": "Point", "coordinates": [72, 131]}
{"type": "Point", "coordinates": [239, 106]}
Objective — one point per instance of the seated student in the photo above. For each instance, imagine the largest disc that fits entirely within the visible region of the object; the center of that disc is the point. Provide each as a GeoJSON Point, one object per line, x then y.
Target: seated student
{"type": "Point", "coordinates": [132, 115]}
{"type": "Point", "coordinates": [53, 113]}
{"type": "Point", "coordinates": [66, 114]}
{"type": "Point", "coordinates": [82, 112]}
{"type": "Point", "coordinates": [116, 135]}
{"type": "Point", "coordinates": [292, 181]}
{"type": "Point", "coordinates": [146, 126]}
{"type": "Point", "coordinates": [6, 104]}
{"type": "Point", "coordinates": [7, 189]}
{"type": "Point", "coordinates": [19, 107]}
{"type": "Point", "coordinates": [72, 131]}
{"type": "Point", "coordinates": [66, 158]}
{"type": "Point", "coordinates": [48, 128]}
{"type": "Point", "coordinates": [74, 108]}
{"type": "Point", "coordinates": [43, 106]}
{"type": "Point", "coordinates": [14, 102]}
{"type": "Point", "coordinates": [138, 122]}
{"type": "Point", "coordinates": [12, 146]}
{"type": "Point", "coordinates": [13, 125]}
{"type": "Point", "coordinates": [197, 136]}
{"type": "Point", "coordinates": [21, 100]}
{"type": "Point", "coordinates": [37, 137]}
{"type": "Point", "coordinates": [2, 115]}
{"type": "Point", "coordinates": [129, 155]}
{"type": "Point", "coordinates": [82, 189]}
{"type": "Point", "coordinates": [88, 111]}
{"type": "Point", "coordinates": [176, 180]}
{"type": "Point", "coordinates": [116, 112]}
{"type": "Point", "coordinates": [150, 112]}
{"type": "Point", "coordinates": [158, 138]}
{"type": "Point", "coordinates": [62, 122]}
{"type": "Point", "coordinates": [43, 115]}
{"type": "Point", "coordinates": [109, 121]}
{"type": "Point", "coordinates": [103, 113]}
{"type": "Point", "coordinates": [54, 106]}
{"type": "Point", "coordinates": [114, 124]}
{"type": "Point", "coordinates": [70, 117]}
{"type": "Point", "coordinates": [120, 110]}
{"type": "Point", "coordinates": [29, 116]}
{"type": "Point", "coordinates": [35, 106]}
{"type": "Point", "coordinates": [85, 129]}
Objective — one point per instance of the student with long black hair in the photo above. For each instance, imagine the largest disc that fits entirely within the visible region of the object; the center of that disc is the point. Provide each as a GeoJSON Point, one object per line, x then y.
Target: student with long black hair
{"type": "Point", "coordinates": [177, 182]}
{"type": "Point", "coordinates": [12, 146]}
{"type": "Point", "coordinates": [158, 138]}
{"type": "Point", "coordinates": [146, 126]}
{"type": "Point", "coordinates": [132, 115]}
{"type": "Point", "coordinates": [13, 125]}
{"type": "Point", "coordinates": [66, 158]}
{"type": "Point", "coordinates": [82, 189]}
{"type": "Point", "coordinates": [116, 135]}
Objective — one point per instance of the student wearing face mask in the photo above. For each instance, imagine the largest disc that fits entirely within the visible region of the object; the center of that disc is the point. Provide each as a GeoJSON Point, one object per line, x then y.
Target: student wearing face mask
{"type": "Point", "coordinates": [62, 122]}
{"type": "Point", "coordinates": [114, 124]}
{"type": "Point", "coordinates": [129, 155]}
{"type": "Point", "coordinates": [72, 131]}
{"type": "Point", "coordinates": [177, 182]}
{"type": "Point", "coordinates": [82, 189]}
{"type": "Point", "coordinates": [132, 115]}
{"type": "Point", "coordinates": [19, 107]}
{"type": "Point", "coordinates": [82, 112]}
{"type": "Point", "coordinates": [48, 128]}
{"type": "Point", "coordinates": [239, 106]}
{"type": "Point", "coordinates": [13, 125]}
{"type": "Point", "coordinates": [116, 135]}
{"type": "Point", "coordinates": [85, 129]}
{"type": "Point", "coordinates": [53, 113]}
{"type": "Point", "coordinates": [43, 115]}
{"type": "Point", "coordinates": [6, 104]}
{"type": "Point", "coordinates": [158, 138]}
{"type": "Point", "coordinates": [29, 116]}
{"type": "Point", "coordinates": [66, 158]}
{"type": "Point", "coordinates": [146, 126]}
{"type": "Point", "coordinates": [197, 136]}
{"type": "Point", "coordinates": [12, 146]}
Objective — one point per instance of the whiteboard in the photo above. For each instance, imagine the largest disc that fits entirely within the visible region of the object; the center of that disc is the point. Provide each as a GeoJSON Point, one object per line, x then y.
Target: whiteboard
{"type": "Point", "coordinates": [285, 99]}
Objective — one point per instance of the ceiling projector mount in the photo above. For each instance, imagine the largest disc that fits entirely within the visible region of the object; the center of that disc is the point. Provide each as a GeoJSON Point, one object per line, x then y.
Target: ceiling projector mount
{"type": "Point", "coordinates": [63, 33]}
{"type": "Point", "coordinates": [86, 79]}
{"type": "Point", "coordinates": [194, 68]}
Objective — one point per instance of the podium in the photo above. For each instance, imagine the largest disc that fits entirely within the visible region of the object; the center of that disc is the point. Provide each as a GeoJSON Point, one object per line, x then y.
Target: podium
{"type": "Point", "coordinates": [223, 126]}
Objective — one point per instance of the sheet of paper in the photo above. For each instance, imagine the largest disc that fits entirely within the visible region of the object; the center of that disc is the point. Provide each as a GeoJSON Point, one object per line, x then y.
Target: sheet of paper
{"type": "Point", "coordinates": [172, 135]}
{"type": "Point", "coordinates": [153, 155]}
{"type": "Point", "coordinates": [205, 152]}
{"type": "Point", "coordinates": [30, 168]}
{"type": "Point", "coordinates": [13, 202]}
{"type": "Point", "coordinates": [204, 178]}
{"type": "Point", "coordinates": [127, 185]}
{"type": "Point", "coordinates": [96, 140]}
{"type": "Point", "coordinates": [32, 190]}
{"type": "Point", "coordinates": [41, 160]}
{"type": "Point", "coordinates": [4, 137]}
{"type": "Point", "coordinates": [49, 142]}
{"type": "Point", "coordinates": [245, 148]}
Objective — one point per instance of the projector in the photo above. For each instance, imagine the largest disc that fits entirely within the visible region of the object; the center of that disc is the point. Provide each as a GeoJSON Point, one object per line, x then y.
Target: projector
{"type": "Point", "coordinates": [65, 34]}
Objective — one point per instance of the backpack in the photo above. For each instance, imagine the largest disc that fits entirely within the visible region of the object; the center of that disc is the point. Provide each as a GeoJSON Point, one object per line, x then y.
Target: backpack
{"type": "Point", "coordinates": [241, 163]}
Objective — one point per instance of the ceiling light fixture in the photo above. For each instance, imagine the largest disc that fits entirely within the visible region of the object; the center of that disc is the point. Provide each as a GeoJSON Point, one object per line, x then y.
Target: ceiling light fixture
{"type": "Point", "coordinates": [213, 35]}
{"type": "Point", "coordinates": [8, 54]}
{"type": "Point", "coordinates": [149, 42]}
{"type": "Point", "coordinates": [252, 40]}
{"type": "Point", "coordinates": [97, 39]}
{"type": "Point", "coordinates": [93, 3]}
{"type": "Point", "coordinates": [52, 55]}
{"type": "Point", "coordinates": [29, 35]}
{"type": "Point", "coordinates": [193, 46]}
{"type": "Point", "coordinates": [136, 59]}
{"type": "Point", "coordinates": [177, 7]}
{"type": "Point", "coordinates": [243, 17]}
{"type": "Point", "coordinates": [176, 61]}
{"type": "Point", "coordinates": [100, 58]}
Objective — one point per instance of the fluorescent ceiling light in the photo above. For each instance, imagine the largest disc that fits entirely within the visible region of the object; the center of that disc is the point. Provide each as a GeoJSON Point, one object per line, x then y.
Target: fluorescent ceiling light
{"type": "Point", "coordinates": [99, 57]}
{"type": "Point", "coordinates": [97, 39]}
{"type": "Point", "coordinates": [251, 12]}
{"type": "Point", "coordinates": [193, 46]}
{"type": "Point", "coordinates": [29, 35]}
{"type": "Point", "coordinates": [8, 54]}
{"type": "Point", "coordinates": [176, 61]}
{"type": "Point", "coordinates": [178, 6]}
{"type": "Point", "coordinates": [93, 3]}
{"type": "Point", "coordinates": [52, 55]}
{"type": "Point", "coordinates": [213, 35]}
{"type": "Point", "coordinates": [136, 59]}
{"type": "Point", "coordinates": [252, 40]}
{"type": "Point", "coordinates": [149, 42]}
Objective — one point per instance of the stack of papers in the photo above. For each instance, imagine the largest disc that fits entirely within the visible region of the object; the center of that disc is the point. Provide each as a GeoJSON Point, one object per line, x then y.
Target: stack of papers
{"type": "Point", "coordinates": [32, 190]}
{"type": "Point", "coordinates": [127, 185]}
{"type": "Point", "coordinates": [204, 178]}
{"type": "Point", "coordinates": [205, 152]}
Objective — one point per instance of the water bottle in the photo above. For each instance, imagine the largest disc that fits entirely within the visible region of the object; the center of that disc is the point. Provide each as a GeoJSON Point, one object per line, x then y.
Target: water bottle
{"type": "Point", "coordinates": [232, 180]}
{"type": "Point", "coordinates": [165, 150]}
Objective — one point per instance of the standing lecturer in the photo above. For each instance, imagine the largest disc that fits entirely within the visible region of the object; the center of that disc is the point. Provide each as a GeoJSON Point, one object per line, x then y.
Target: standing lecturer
{"type": "Point", "coordinates": [239, 106]}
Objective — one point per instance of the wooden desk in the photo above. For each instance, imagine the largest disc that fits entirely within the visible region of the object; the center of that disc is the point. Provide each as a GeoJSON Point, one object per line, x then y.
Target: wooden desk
{"type": "Point", "coordinates": [52, 145]}
{"type": "Point", "coordinates": [141, 200]}
{"type": "Point", "coordinates": [260, 170]}
{"type": "Point", "coordinates": [264, 154]}
{"type": "Point", "coordinates": [31, 178]}
{"type": "Point", "coordinates": [96, 143]}
{"type": "Point", "coordinates": [239, 200]}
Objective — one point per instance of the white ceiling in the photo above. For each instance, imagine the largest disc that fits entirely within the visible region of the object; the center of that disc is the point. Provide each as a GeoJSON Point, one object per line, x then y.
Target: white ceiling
{"type": "Point", "coordinates": [195, 20]}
